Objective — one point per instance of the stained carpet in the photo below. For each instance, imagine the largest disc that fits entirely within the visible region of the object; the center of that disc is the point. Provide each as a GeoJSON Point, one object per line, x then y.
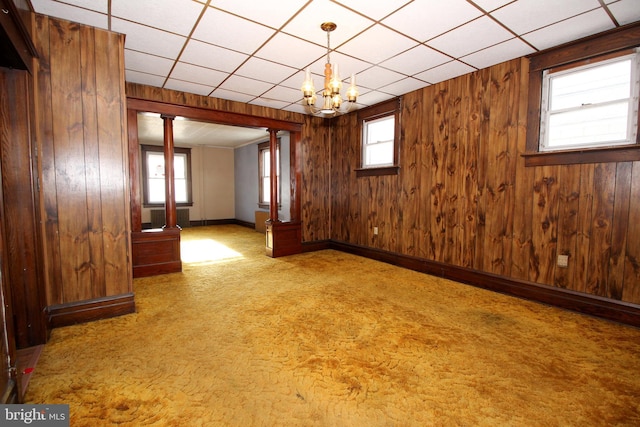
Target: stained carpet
{"type": "Point", "coordinates": [332, 339]}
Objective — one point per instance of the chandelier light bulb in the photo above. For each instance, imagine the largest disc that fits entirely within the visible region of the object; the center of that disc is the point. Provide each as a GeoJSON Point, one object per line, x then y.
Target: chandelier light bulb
{"type": "Point", "coordinates": [331, 98]}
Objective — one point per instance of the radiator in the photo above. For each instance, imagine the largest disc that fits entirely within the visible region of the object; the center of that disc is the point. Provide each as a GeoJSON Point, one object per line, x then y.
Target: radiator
{"type": "Point", "coordinates": [158, 221]}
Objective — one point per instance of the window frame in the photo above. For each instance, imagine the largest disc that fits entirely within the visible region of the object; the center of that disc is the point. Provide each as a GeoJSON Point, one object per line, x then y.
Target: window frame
{"type": "Point", "coordinates": [375, 112]}
{"type": "Point", "coordinates": [262, 147]}
{"type": "Point", "coordinates": [582, 51]}
{"type": "Point", "coordinates": [145, 178]}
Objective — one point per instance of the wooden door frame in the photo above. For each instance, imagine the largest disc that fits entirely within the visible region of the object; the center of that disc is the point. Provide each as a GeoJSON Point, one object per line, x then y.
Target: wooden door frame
{"type": "Point", "coordinates": [136, 105]}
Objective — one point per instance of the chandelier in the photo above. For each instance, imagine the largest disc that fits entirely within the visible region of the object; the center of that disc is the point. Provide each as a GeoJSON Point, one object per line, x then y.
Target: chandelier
{"type": "Point", "coordinates": [331, 98]}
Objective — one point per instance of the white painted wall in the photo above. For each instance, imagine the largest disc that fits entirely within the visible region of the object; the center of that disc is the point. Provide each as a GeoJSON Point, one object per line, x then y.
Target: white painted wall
{"type": "Point", "coordinates": [213, 185]}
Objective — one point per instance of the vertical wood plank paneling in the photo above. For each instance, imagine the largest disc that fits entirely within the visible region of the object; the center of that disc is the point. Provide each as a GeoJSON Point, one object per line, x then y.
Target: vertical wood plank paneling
{"type": "Point", "coordinates": [498, 167]}
{"type": "Point", "coordinates": [91, 159]}
{"type": "Point", "coordinates": [454, 168]}
{"type": "Point", "coordinates": [631, 286]}
{"type": "Point", "coordinates": [620, 225]}
{"type": "Point", "coordinates": [521, 248]}
{"type": "Point", "coordinates": [52, 263]}
{"type": "Point", "coordinates": [439, 172]}
{"type": "Point", "coordinates": [426, 244]}
{"type": "Point", "coordinates": [569, 198]}
{"type": "Point", "coordinates": [81, 128]}
{"type": "Point", "coordinates": [600, 248]}
{"type": "Point", "coordinates": [113, 165]}
{"type": "Point", "coordinates": [469, 185]}
{"type": "Point", "coordinates": [545, 224]}
{"type": "Point", "coordinates": [484, 106]}
{"type": "Point", "coordinates": [316, 181]}
{"type": "Point", "coordinates": [409, 177]}
{"type": "Point", "coordinates": [69, 160]}
{"type": "Point", "coordinates": [585, 215]}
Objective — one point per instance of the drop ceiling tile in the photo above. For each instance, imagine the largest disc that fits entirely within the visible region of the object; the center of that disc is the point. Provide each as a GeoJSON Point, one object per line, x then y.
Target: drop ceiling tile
{"type": "Point", "coordinates": [376, 77]}
{"type": "Point", "coordinates": [377, 44]}
{"type": "Point", "coordinates": [489, 5]}
{"type": "Point", "coordinates": [375, 10]}
{"type": "Point", "coordinates": [415, 60]}
{"type": "Point", "coordinates": [306, 24]}
{"type": "Point", "coordinates": [176, 16]}
{"type": "Point", "coordinates": [404, 86]}
{"type": "Point", "coordinates": [71, 13]}
{"type": "Point", "coordinates": [524, 16]}
{"type": "Point", "coordinates": [296, 108]}
{"type": "Point", "coordinates": [188, 87]}
{"type": "Point", "coordinates": [445, 71]}
{"type": "Point", "coordinates": [291, 51]}
{"type": "Point", "coordinates": [425, 19]}
{"type": "Point", "coordinates": [626, 11]}
{"type": "Point", "coordinates": [149, 40]}
{"type": "Point", "coordinates": [138, 61]}
{"type": "Point", "coordinates": [478, 34]}
{"type": "Point", "coordinates": [267, 71]}
{"type": "Point", "coordinates": [505, 51]}
{"type": "Point", "coordinates": [373, 97]}
{"type": "Point", "coordinates": [271, 103]}
{"type": "Point", "coordinates": [229, 31]}
{"type": "Point", "coordinates": [232, 95]}
{"type": "Point", "coordinates": [273, 13]}
{"type": "Point", "coordinates": [210, 56]}
{"type": "Point", "coordinates": [570, 29]}
{"type": "Point", "coordinates": [245, 85]}
{"type": "Point", "coordinates": [288, 95]}
{"type": "Point", "coordinates": [195, 74]}
{"type": "Point", "coordinates": [144, 78]}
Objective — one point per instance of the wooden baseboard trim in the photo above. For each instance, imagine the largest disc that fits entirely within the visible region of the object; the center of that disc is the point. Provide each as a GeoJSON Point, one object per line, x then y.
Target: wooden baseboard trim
{"type": "Point", "coordinates": [604, 308]}
{"type": "Point", "coordinates": [90, 310]}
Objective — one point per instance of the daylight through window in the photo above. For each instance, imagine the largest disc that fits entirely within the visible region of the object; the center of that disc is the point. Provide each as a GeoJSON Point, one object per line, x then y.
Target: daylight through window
{"type": "Point", "coordinates": [588, 106]}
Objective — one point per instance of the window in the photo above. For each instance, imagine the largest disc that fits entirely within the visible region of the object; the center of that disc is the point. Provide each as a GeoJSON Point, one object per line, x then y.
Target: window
{"type": "Point", "coordinates": [264, 167]}
{"type": "Point", "coordinates": [377, 142]}
{"type": "Point", "coordinates": [153, 175]}
{"type": "Point", "coordinates": [583, 101]}
{"type": "Point", "coordinates": [591, 105]}
{"type": "Point", "coordinates": [379, 135]}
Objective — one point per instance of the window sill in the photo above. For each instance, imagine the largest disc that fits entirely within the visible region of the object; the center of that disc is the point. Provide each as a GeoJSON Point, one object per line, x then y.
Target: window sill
{"type": "Point", "coordinates": [161, 205]}
{"type": "Point", "coordinates": [627, 153]}
{"type": "Point", "coordinates": [387, 170]}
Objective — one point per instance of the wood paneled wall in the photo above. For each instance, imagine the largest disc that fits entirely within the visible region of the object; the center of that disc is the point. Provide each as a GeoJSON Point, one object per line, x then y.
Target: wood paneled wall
{"type": "Point", "coordinates": [83, 164]}
{"type": "Point", "coordinates": [463, 196]}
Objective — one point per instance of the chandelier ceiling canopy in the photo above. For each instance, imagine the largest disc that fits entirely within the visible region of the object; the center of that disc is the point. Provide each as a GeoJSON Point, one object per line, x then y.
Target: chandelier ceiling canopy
{"type": "Point", "coordinates": [332, 102]}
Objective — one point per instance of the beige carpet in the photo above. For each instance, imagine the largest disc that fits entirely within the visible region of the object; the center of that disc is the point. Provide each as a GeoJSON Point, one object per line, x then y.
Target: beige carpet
{"type": "Point", "coordinates": [331, 339]}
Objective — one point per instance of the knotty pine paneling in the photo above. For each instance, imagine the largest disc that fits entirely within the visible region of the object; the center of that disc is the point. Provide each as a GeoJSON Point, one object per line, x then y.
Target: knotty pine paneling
{"type": "Point", "coordinates": [463, 196]}
{"type": "Point", "coordinates": [81, 124]}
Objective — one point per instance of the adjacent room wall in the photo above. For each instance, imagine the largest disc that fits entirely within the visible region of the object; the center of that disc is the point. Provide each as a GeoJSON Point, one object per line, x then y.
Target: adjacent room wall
{"type": "Point", "coordinates": [246, 179]}
{"type": "Point", "coordinates": [213, 185]}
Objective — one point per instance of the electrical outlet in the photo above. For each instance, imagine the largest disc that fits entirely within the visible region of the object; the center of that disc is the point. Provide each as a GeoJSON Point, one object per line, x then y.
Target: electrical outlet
{"type": "Point", "coordinates": [375, 231]}
{"type": "Point", "coordinates": [563, 260]}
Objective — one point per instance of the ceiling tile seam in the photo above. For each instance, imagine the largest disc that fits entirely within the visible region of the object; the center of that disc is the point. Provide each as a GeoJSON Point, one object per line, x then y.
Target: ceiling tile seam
{"type": "Point", "coordinates": [609, 13]}
{"type": "Point", "coordinates": [377, 21]}
{"type": "Point", "coordinates": [277, 31]}
{"type": "Point", "coordinates": [184, 46]}
{"type": "Point", "coordinates": [500, 23]}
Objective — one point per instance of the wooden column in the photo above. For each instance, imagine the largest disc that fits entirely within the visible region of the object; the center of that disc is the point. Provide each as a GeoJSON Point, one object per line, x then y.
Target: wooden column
{"type": "Point", "coordinates": [273, 174]}
{"type": "Point", "coordinates": [169, 182]}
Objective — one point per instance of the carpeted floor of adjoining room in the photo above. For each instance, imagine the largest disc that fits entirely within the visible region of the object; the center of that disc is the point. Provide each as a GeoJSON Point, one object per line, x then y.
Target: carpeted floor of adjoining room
{"type": "Point", "coordinates": [332, 339]}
